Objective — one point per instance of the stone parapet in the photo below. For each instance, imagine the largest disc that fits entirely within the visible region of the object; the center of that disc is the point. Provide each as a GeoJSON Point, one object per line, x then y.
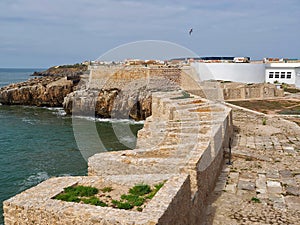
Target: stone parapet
{"type": "Point", "coordinates": [36, 206]}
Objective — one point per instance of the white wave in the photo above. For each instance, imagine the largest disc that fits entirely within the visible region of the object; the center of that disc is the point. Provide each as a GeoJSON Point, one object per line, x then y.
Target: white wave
{"type": "Point", "coordinates": [59, 111]}
{"type": "Point", "coordinates": [53, 108]}
{"type": "Point", "coordinates": [34, 180]}
{"type": "Point", "coordinates": [129, 121]}
{"type": "Point", "coordinates": [29, 121]}
{"type": "Point", "coordinates": [110, 120]}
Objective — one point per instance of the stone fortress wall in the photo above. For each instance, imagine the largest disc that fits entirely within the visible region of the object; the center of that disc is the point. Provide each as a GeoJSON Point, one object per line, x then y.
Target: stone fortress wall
{"type": "Point", "coordinates": [182, 142]}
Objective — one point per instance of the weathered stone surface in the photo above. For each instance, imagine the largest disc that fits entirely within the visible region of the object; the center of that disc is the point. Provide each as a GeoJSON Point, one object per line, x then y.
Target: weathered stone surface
{"type": "Point", "coordinates": [246, 185]}
{"type": "Point", "coordinates": [292, 190]}
{"type": "Point", "coordinates": [45, 91]}
{"type": "Point", "coordinates": [274, 187]}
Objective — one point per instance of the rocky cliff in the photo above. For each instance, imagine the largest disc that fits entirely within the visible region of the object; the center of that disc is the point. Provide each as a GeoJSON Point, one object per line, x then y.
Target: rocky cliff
{"type": "Point", "coordinates": [44, 91]}
{"type": "Point", "coordinates": [48, 88]}
{"type": "Point", "coordinates": [109, 103]}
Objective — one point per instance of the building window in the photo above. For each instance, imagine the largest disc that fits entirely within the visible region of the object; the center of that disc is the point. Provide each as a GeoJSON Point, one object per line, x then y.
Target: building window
{"type": "Point", "coordinates": [276, 74]}
{"type": "Point", "coordinates": [271, 74]}
{"type": "Point", "coordinates": [289, 75]}
{"type": "Point", "coordinates": [282, 75]}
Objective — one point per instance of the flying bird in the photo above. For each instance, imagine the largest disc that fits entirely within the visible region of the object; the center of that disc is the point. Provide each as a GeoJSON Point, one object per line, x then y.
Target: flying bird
{"type": "Point", "coordinates": [190, 32]}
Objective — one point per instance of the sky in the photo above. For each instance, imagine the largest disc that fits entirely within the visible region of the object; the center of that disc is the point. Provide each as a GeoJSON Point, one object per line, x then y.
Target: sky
{"type": "Point", "coordinates": [44, 33]}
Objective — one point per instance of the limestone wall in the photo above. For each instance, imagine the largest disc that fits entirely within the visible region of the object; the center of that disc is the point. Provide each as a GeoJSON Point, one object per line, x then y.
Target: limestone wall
{"type": "Point", "coordinates": [122, 76]}
{"type": "Point", "coordinates": [182, 142]}
{"type": "Point", "coordinates": [235, 91]}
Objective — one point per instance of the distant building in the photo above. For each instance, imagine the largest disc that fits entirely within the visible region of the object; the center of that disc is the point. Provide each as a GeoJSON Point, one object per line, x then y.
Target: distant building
{"type": "Point", "coordinates": [288, 73]}
{"type": "Point", "coordinates": [213, 59]}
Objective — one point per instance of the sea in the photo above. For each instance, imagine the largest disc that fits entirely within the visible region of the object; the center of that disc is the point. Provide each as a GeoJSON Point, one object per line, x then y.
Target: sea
{"type": "Point", "coordinates": [37, 143]}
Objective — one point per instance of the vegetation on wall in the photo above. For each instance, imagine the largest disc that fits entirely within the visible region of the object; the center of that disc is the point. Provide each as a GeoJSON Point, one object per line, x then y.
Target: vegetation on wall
{"type": "Point", "coordinates": [135, 198]}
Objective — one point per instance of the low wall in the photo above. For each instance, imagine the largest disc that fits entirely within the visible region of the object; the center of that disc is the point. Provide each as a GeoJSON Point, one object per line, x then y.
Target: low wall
{"type": "Point", "coordinates": [239, 91]}
{"type": "Point", "coordinates": [36, 206]}
{"type": "Point", "coordinates": [182, 142]}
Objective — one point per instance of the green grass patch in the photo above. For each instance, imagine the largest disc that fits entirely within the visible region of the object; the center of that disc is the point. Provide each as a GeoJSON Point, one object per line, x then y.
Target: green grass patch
{"type": "Point", "coordinates": [94, 201]}
{"type": "Point", "coordinates": [74, 194]}
{"type": "Point", "coordinates": [106, 189]}
{"type": "Point", "coordinates": [157, 187]}
{"type": "Point", "coordinates": [140, 189]}
{"type": "Point", "coordinates": [68, 197]}
{"type": "Point", "coordinates": [82, 191]}
{"type": "Point", "coordinates": [136, 197]}
{"type": "Point", "coordinates": [133, 199]}
{"type": "Point", "coordinates": [255, 200]}
{"type": "Point", "coordinates": [122, 205]}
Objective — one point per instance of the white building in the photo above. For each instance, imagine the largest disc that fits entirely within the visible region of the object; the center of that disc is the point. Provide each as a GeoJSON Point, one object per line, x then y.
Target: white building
{"type": "Point", "coordinates": [280, 72]}
{"type": "Point", "coordinates": [288, 73]}
{"type": "Point", "coordinates": [237, 72]}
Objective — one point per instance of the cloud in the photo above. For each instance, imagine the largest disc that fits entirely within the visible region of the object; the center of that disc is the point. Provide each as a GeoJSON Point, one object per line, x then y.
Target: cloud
{"type": "Point", "coordinates": [79, 29]}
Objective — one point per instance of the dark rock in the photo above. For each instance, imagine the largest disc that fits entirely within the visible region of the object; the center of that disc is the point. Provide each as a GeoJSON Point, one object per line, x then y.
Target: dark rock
{"type": "Point", "coordinates": [291, 190]}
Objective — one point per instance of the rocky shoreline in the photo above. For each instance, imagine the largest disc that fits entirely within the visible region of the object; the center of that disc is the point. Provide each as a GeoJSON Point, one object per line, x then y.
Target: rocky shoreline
{"type": "Point", "coordinates": [43, 91]}
{"type": "Point", "coordinates": [66, 86]}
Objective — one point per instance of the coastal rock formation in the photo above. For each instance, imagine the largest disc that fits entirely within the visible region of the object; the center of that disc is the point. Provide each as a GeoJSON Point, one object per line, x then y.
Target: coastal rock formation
{"type": "Point", "coordinates": [48, 88]}
{"type": "Point", "coordinates": [63, 71]}
{"type": "Point", "coordinates": [44, 91]}
{"type": "Point", "coordinates": [109, 103]}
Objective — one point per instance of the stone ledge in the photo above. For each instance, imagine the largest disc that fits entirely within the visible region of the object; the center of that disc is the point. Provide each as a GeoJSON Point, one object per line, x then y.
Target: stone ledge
{"type": "Point", "coordinates": [36, 206]}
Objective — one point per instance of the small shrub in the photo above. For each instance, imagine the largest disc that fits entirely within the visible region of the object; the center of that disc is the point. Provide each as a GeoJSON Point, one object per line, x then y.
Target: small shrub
{"type": "Point", "coordinates": [255, 200]}
{"type": "Point", "coordinates": [83, 191]}
{"type": "Point", "coordinates": [94, 201]}
{"type": "Point", "coordinates": [68, 197]}
{"type": "Point", "coordinates": [133, 199]}
{"type": "Point", "coordinates": [106, 189]}
{"type": "Point", "coordinates": [140, 209]}
{"type": "Point", "coordinates": [157, 188]}
{"type": "Point", "coordinates": [122, 205]}
{"type": "Point", "coordinates": [140, 189]}
{"type": "Point", "coordinates": [264, 121]}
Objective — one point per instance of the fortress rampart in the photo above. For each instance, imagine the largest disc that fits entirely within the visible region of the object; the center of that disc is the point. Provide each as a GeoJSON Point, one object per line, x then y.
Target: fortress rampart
{"type": "Point", "coordinates": [182, 143]}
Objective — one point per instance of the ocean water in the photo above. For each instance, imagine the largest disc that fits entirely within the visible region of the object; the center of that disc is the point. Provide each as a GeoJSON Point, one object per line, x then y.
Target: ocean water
{"type": "Point", "coordinates": [39, 143]}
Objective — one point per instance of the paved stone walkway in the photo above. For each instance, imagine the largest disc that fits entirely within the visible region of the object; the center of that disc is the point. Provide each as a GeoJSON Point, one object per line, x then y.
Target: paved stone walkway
{"type": "Point", "coordinates": [262, 184]}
